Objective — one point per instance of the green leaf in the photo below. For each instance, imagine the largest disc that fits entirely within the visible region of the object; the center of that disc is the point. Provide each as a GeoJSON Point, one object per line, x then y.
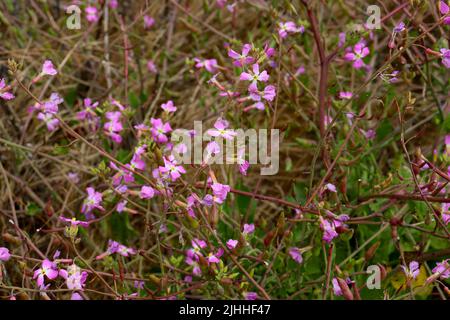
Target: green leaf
{"type": "Point", "coordinates": [33, 209]}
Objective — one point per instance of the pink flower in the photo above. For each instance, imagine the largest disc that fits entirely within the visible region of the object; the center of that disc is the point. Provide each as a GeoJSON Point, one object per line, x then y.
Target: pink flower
{"type": "Point", "coordinates": [172, 168]}
{"type": "Point", "coordinates": [220, 192]}
{"type": "Point", "coordinates": [296, 254]}
{"type": "Point", "coordinates": [399, 27]}
{"type": "Point", "coordinates": [48, 269]}
{"type": "Point", "coordinates": [221, 130]}
{"type": "Point", "coordinates": [248, 228]}
{"type": "Point", "coordinates": [336, 288]}
{"type": "Point", "coordinates": [328, 228]}
{"type": "Point", "coordinates": [212, 258]}
{"type": "Point", "coordinates": [73, 176]}
{"type": "Point", "coordinates": [76, 296]}
{"type": "Point", "coordinates": [255, 76]}
{"type": "Point", "coordinates": [159, 130]}
{"type": "Point", "coordinates": [89, 110]}
{"type": "Point", "coordinates": [152, 67]}
{"type": "Point", "coordinates": [243, 164]}
{"type": "Point", "coordinates": [75, 278]}
{"type": "Point", "coordinates": [4, 91]}
{"type": "Point", "coordinates": [191, 260]}
{"type": "Point", "coordinates": [267, 94]}
{"type": "Point", "coordinates": [445, 55]}
{"type": "Point", "coordinates": [91, 14]}
{"type": "Point", "coordinates": [241, 59]}
{"type": "Point", "coordinates": [49, 119]}
{"type": "Point", "coordinates": [442, 268]}
{"type": "Point", "coordinates": [125, 251]}
{"type": "Point", "coordinates": [148, 22]}
{"type": "Point", "coordinates": [445, 213]}
{"type": "Point", "coordinates": [231, 244]}
{"type": "Point", "coordinates": [331, 187]}
{"type": "Point", "coordinates": [121, 206]}
{"type": "Point", "coordinates": [195, 251]}
{"type": "Point", "coordinates": [48, 68]}
{"type": "Point", "coordinates": [4, 254]}
{"type": "Point", "coordinates": [413, 271]}
{"type": "Point", "coordinates": [74, 222]}
{"type": "Point", "coordinates": [251, 296]}
{"type": "Point", "coordinates": [169, 106]}
{"type": "Point", "coordinates": [369, 134]}
{"type": "Point", "coordinates": [122, 175]}
{"type": "Point", "coordinates": [209, 64]}
{"type": "Point", "coordinates": [147, 192]}
{"type": "Point", "coordinates": [113, 4]}
{"type": "Point", "coordinates": [444, 10]}
{"type": "Point", "coordinates": [114, 126]}
{"type": "Point", "coordinates": [359, 52]}
{"type": "Point", "coordinates": [212, 148]}
{"type": "Point", "coordinates": [342, 39]}
{"type": "Point", "coordinates": [93, 201]}
{"type": "Point", "coordinates": [345, 95]}
{"type": "Point", "coordinates": [116, 247]}
{"type": "Point", "coordinates": [289, 27]}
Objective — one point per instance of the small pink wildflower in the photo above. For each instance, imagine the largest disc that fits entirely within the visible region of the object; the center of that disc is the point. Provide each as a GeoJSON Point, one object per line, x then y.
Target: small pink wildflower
{"type": "Point", "coordinates": [331, 187]}
{"type": "Point", "coordinates": [413, 271]}
{"type": "Point", "coordinates": [4, 254]}
{"type": "Point", "coordinates": [220, 192]}
{"type": "Point", "coordinates": [442, 268]}
{"type": "Point", "coordinates": [169, 106]}
{"type": "Point", "coordinates": [267, 94]}
{"type": "Point", "coordinates": [93, 201]}
{"type": "Point", "coordinates": [172, 168]}
{"type": "Point", "coordinates": [50, 121]}
{"type": "Point", "coordinates": [113, 127]}
{"type": "Point", "coordinates": [74, 222]}
{"type": "Point", "coordinates": [116, 247]}
{"type": "Point", "coordinates": [445, 213]}
{"type": "Point", "coordinates": [48, 269]}
{"type": "Point", "coordinates": [255, 76]}
{"type": "Point", "coordinates": [147, 192]}
{"type": "Point", "coordinates": [4, 91]}
{"type": "Point", "coordinates": [243, 58]}
{"type": "Point", "coordinates": [444, 10]}
{"type": "Point", "coordinates": [151, 66]}
{"type": "Point", "coordinates": [209, 64]}
{"type": "Point", "coordinates": [148, 22]}
{"type": "Point", "coordinates": [231, 244]}
{"type": "Point", "coordinates": [289, 27]}
{"type": "Point", "coordinates": [248, 229]}
{"type": "Point", "coordinates": [89, 110]}
{"type": "Point", "coordinates": [345, 95]}
{"type": "Point", "coordinates": [359, 52]}
{"type": "Point", "coordinates": [445, 55]}
{"type": "Point", "coordinates": [159, 130]}
{"type": "Point", "coordinates": [296, 254]}
{"type": "Point", "coordinates": [91, 14]}
{"type": "Point", "coordinates": [221, 130]}
{"type": "Point", "coordinates": [251, 296]}
{"type": "Point", "coordinates": [48, 68]}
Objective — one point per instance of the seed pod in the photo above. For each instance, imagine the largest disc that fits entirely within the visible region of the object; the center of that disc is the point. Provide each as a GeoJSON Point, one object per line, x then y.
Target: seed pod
{"type": "Point", "coordinates": [226, 281]}
{"type": "Point", "coordinates": [383, 271]}
{"type": "Point", "coordinates": [155, 280]}
{"type": "Point", "coordinates": [447, 290]}
{"type": "Point", "coordinates": [22, 296]}
{"type": "Point", "coordinates": [371, 251]}
{"type": "Point", "coordinates": [9, 238]}
{"type": "Point", "coordinates": [356, 291]}
{"type": "Point", "coordinates": [346, 292]}
{"type": "Point", "coordinates": [268, 238]}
